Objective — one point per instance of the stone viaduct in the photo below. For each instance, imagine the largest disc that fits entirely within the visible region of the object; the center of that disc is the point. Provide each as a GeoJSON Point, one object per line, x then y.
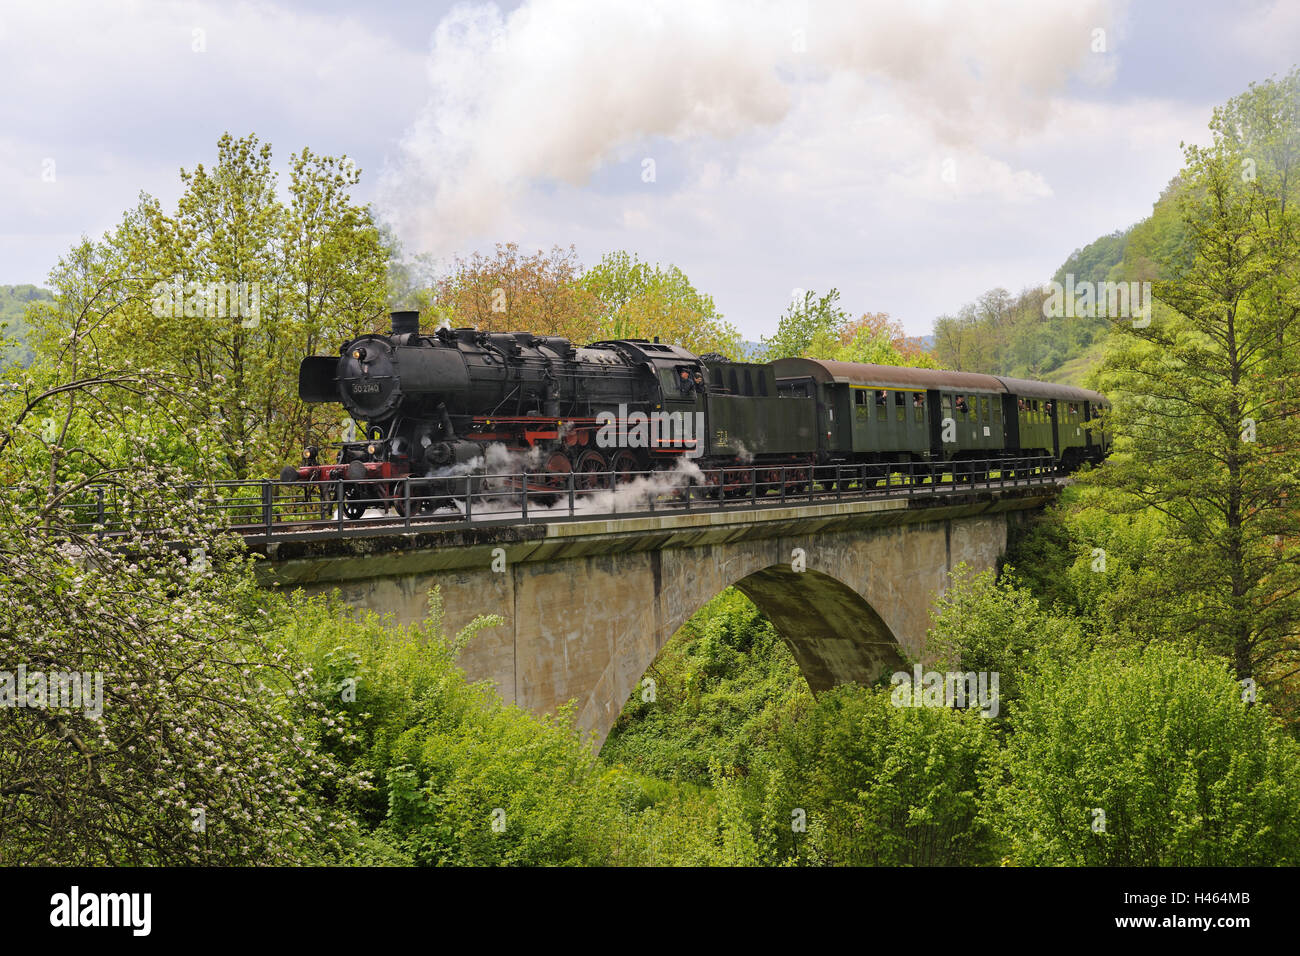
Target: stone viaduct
{"type": "Point", "coordinates": [588, 603]}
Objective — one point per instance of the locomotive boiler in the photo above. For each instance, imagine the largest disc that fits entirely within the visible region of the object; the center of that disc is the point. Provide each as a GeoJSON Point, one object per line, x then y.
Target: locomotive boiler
{"type": "Point", "coordinates": [438, 406]}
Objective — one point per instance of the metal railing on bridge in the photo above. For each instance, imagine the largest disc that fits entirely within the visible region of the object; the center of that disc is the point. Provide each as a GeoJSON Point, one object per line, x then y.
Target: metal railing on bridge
{"type": "Point", "coordinates": [272, 509]}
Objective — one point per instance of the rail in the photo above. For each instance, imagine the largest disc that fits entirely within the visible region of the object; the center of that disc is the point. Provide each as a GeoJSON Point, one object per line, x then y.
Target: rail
{"type": "Point", "coordinates": [269, 509]}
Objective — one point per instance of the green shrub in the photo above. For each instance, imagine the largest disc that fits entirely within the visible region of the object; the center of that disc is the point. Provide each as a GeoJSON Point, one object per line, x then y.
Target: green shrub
{"type": "Point", "coordinates": [1162, 744]}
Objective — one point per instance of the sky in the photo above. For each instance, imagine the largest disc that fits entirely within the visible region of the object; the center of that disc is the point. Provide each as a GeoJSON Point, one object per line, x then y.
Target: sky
{"type": "Point", "coordinates": [910, 154]}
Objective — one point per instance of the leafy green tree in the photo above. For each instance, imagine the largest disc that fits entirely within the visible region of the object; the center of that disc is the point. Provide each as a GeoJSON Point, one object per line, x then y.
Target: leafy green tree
{"type": "Point", "coordinates": [511, 291]}
{"type": "Point", "coordinates": [1145, 758]}
{"type": "Point", "coordinates": [148, 728]}
{"type": "Point", "coordinates": [1205, 410]}
{"type": "Point", "coordinates": [228, 293]}
{"type": "Point", "coordinates": [1105, 569]}
{"type": "Point", "coordinates": [441, 772]}
{"type": "Point", "coordinates": [14, 328]}
{"type": "Point", "coordinates": [642, 300]}
{"type": "Point", "coordinates": [990, 622]}
{"type": "Point", "coordinates": [722, 686]}
{"type": "Point", "coordinates": [803, 323]}
{"type": "Point", "coordinates": [858, 781]}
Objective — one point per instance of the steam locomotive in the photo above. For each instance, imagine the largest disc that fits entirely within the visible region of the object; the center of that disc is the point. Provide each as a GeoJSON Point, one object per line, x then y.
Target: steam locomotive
{"type": "Point", "coordinates": [434, 407]}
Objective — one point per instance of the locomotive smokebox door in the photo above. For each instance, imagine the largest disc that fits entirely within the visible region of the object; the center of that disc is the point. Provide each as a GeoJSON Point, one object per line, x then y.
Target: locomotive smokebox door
{"type": "Point", "coordinates": [316, 381]}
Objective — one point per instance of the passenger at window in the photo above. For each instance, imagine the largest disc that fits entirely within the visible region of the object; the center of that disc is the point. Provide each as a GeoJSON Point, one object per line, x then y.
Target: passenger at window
{"type": "Point", "coordinates": [961, 404]}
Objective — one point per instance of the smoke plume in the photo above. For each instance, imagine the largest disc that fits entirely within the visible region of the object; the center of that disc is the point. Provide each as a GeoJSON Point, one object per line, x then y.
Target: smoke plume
{"type": "Point", "coordinates": [558, 88]}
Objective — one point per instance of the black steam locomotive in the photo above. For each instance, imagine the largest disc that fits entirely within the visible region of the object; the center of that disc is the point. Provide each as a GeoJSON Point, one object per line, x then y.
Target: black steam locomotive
{"type": "Point", "coordinates": [434, 407]}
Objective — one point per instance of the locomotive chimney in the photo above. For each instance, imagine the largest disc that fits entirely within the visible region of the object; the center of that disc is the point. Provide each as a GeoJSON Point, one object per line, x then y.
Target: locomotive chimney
{"type": "Point", "coordinates": [406, 323]}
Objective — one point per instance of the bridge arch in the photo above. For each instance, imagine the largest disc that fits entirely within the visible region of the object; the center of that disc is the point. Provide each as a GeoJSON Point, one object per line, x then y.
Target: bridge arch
{"type": "Point", "coordinates": [835, 634]}
{"type": "Point", "coordinates": [586, 607]}
{"type": "Point", "coordinates": [824, 612]}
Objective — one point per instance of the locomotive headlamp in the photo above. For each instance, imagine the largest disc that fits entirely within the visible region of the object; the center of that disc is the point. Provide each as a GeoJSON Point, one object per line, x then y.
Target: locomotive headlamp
{"type": "Point", "coordinates": [371, 448]}
{"type": "Point", "coordinates": [358, 354]}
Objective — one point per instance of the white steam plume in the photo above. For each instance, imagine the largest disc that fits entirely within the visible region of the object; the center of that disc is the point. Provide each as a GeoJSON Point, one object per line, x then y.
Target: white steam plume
{"type": "Point", "coordinates": [559, 87]}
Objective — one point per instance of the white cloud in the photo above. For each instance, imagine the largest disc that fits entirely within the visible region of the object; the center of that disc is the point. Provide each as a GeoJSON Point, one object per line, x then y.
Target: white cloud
{"type": "Point", "coordinates": [116, 94]}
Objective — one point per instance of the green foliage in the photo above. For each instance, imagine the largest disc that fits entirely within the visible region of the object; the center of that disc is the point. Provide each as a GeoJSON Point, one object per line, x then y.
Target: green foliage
{"type": "Point", "coordinates": [1002, 334]}
{"type": "Point", "coordinates": [984, 622]}
{"type": "Point", "coordinates": [224, 294]}
{"type": "Point", "coordinates": [641, 300]}
{"type": "Point", "coordinates": [449, 774]}
{"type": "Point", "coordinates": [812, 319]}
{"type": "Point", "coordinates": [816, 327]}
{"type": "Point", "coordinates": [15, 348]}
{"type": "Point", "coordinates": [1185, 773]}
{"type": "Point", "coordinates": [721, 688]}
{"type": "Point", "coordinates": [880, 785]}
{"type": "Point", "coordinates": [1103, 568]}
{"type": "Point", "coordinates": [1205, 423]}
{"type": "Point", "coordinates": [177, 752]}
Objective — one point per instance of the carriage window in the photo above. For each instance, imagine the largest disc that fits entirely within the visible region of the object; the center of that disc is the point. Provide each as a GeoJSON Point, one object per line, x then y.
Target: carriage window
{"type": "Point", "coordinates": [900, 406]}
{"type": "Point", "coordinates": [984, 409]}
{"type": "Point", "coordinates": [947, 406]}
{"type": "Point", "coordinates": [882, 396]}
{"type": "Point", "coordinates": [997, 411]}
{"type": "Point", "coordinates": [962, 407]}
{"type": "Point", "coordinates": [860, 402]}
{"type": "Point", "coordinates": [918, 406]}
{"type": "Point", "coordinates": [882, 405]}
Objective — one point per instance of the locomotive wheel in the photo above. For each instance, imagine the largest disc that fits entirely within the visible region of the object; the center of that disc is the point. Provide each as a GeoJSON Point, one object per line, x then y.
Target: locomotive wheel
{"type": "Point", "coordinates": [588, 469]}
{"type": "Point", "coordinates": [557, 470]}
{"type": "Point", "coordinates": [356, 500]}
{"type": "Point", "coordinates": [421, 503]}
{"type": "Point", "coordinates": [624, 463]}
{"type": "Point", "coordinates": [555, 475]}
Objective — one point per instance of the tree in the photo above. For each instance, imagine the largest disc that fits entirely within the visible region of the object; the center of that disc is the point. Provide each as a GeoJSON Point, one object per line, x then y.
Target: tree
{"type": "Point", "coordinates": [510, 292]}
{"type": "Point", "coordinates": [876, 338]}
{"type": "Point", "coordinates": [1205, 413]}
{"type": "Point", "coordinates": [141, 702]}
{"type": "Point", "coordinates": [878, 785]}
{"type": "Point", "coordinates": [1146, 758]}
{"type": "Point", "coordinates": [812, 319]}
{"type": "Point", "coordinates": [641, 300]}
{"type": "Point", "coordinates": [229, 292]}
